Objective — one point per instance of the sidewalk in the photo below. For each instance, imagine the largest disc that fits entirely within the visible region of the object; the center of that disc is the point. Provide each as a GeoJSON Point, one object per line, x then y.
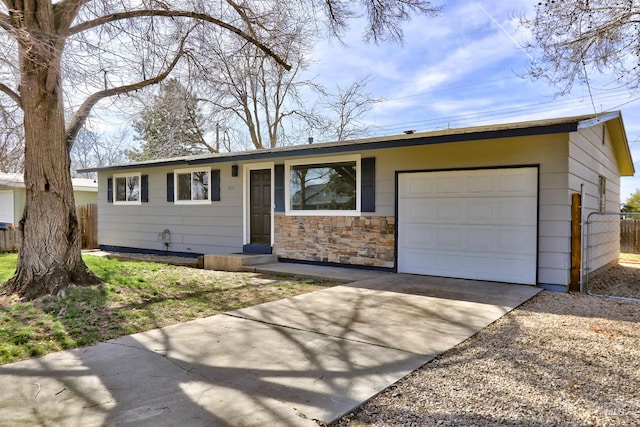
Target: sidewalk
{"type": "Point", "coordinates": [299, 361]}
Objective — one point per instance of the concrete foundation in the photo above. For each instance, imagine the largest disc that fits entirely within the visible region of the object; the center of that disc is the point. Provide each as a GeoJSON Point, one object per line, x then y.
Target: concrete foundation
{"type": "Point", "coordinates": [236, 262]}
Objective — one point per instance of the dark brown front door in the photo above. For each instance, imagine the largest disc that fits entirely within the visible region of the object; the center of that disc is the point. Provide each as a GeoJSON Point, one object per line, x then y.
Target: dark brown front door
{"type": "Point", "coordinates": [260, 206]}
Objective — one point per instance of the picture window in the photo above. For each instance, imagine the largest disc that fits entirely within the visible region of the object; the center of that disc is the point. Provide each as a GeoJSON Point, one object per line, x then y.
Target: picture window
{"type": "Point", "coordinates": [327, 187]}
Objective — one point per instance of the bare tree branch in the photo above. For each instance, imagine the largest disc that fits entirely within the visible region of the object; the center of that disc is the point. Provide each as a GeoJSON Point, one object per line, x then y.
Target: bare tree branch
{"type": "Point", "coordinates": [174, 14]}
{"type": "Point", "coordinates": [81, 115]}
{"type": "Point", "coordinates": [11, 94]}
{"type": "Point", "coordinates": [5, 22]}
{"type": "Point", "coordinates": [384, 17]}
{"type": "Point", "coordinates": [572, 39]}
{"type": "Point", "coordinates": [62, 51]}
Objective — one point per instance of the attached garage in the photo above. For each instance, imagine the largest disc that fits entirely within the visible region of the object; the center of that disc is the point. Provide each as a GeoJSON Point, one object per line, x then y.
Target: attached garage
{"type": "Point", "coordinates": [472, 224]}
{"type": "Point", "coordinates": [486, 202]}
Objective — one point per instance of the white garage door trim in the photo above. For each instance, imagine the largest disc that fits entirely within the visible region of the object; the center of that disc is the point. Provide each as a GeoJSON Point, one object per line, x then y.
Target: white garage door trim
{"type": "Point", "coordinates": [6, 206]}
{"type": "Point", "coordinates": [477, 224]}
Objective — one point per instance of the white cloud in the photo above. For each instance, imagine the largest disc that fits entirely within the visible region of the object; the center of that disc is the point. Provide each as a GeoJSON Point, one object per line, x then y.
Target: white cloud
{"type": "Point", "coordinates": [463, 68]}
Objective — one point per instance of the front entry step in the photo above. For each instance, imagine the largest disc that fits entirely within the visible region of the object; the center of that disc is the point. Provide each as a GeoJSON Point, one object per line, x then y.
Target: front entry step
{"type": "Point", "coordinates": [237, 262]}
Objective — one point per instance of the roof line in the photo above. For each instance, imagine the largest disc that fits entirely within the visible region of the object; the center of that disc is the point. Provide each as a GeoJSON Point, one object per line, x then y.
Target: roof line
{"type": "Point", "coordinates": [583, 124]}
{"type": "Point", "coordinates": [357, 145]}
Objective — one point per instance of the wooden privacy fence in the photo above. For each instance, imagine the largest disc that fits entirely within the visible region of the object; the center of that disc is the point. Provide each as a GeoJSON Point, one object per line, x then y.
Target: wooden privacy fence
{"type": "Point", "coordinates": [87, 221]}
{"type": "Point", "coordinates": [9, 240]}
{"type": "Point", "coordinates": [630, 236]}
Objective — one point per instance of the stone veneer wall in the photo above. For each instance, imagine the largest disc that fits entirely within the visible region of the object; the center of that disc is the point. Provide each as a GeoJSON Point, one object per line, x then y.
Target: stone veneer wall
{"type": "Point", "coordinates": [367, 241]}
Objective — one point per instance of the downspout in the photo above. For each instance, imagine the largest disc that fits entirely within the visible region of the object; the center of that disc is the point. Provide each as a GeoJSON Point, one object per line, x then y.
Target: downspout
{"type": "Point", "coordinates": [582, 249]}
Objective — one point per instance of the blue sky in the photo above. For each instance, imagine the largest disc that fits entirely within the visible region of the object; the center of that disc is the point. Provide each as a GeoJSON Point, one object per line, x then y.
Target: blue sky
{"type": "Point", "coordinates": [465, 68]}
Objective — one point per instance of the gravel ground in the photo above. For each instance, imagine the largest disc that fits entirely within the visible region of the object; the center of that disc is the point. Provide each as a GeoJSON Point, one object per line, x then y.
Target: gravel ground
{"type": "Point", "coordinates": [557, 360]}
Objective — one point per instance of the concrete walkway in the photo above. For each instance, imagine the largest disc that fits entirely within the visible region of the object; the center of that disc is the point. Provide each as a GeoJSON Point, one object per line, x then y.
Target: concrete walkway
{"type": "Point", "coordinates": [295, 362]}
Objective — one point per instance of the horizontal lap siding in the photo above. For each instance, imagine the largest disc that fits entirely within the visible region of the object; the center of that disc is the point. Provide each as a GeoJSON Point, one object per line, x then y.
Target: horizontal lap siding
{"type": "Point", "coordinates": [217, 228]}
{"type": "Point", "coordinates": [214, 228]}
{"type": "Point", "coordinates": [589, 159]}
{"type": "Point", "coordinates": [85, 197]}
{"type": "Point", "coordinates": [20, 199]}
{"type": "Point", "coordinates": [549, 151]}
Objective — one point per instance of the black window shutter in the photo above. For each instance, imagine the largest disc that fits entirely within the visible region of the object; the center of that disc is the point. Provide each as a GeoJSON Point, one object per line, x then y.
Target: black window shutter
{"type": "Point", "coordinates": [278, 187]}
{"type": "Point", "coordinates": [109, 190]}
{"type": "Point", "coordinates": [144, 190]}
{"type": "Point", "coordinates": [170, 187]}
{"type": "Point", "coordinates": [368, 190]}
{"type": "Point", "coordinates": [215, 185]}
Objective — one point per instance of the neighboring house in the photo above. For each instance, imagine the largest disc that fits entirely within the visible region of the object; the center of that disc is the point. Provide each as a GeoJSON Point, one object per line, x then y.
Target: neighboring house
{"type": "Point", "coordinates": [490, 202]}
{"type": "Point", "coordinates": [13, 195]}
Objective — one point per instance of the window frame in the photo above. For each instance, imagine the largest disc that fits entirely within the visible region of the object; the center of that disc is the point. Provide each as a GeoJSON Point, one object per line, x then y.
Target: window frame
{"type": "Point", "coordinates": [115, 189]}
{"type": "Point", "coordinates": [319, 161]}
{"type": "Point", "coordinates": [176, 187]}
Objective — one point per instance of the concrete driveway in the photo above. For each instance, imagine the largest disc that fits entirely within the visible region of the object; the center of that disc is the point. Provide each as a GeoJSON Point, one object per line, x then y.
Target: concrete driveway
{"type": "Point", "coordinates": [299, 361]}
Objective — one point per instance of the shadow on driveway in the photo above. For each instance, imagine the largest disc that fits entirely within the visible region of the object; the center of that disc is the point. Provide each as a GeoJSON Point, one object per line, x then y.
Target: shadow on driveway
{"type": "Point", "coordinates": [298, 361]}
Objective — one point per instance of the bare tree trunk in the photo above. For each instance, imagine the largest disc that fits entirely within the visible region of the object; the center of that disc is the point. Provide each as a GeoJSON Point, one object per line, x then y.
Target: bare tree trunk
{"type": "Point", "coordinates": [50, 258]}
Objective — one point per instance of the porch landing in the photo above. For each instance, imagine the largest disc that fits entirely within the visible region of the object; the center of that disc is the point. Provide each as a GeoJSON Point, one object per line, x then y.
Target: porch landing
{"type": "Point", "coordinates": [237, 261]}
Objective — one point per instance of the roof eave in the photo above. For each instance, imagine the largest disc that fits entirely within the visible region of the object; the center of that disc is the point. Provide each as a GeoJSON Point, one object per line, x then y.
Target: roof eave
{"type": "Point", "coordinates": [367, 144]}
{"type": "Point", "coordinates": [619, 139]}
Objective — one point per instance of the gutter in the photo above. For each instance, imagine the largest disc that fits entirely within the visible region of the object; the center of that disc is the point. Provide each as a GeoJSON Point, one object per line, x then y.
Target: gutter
{"type": "Point", "coordinates": [430, 138]}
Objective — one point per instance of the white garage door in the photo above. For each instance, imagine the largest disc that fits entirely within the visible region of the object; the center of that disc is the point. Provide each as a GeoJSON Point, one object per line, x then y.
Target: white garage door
{"type": "Point", "coordinates": [6, 206]}
{"type": "Point", "coordinates": [472, 224]}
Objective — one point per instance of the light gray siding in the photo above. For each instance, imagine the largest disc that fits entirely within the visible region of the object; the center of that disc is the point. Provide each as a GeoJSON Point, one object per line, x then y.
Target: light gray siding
{"type": "Point", "coordinates": [591, 155]}
{"type": "Point", "coordinates": [564, 160]}
{"type": "Point", "coordinates": [214, 228]}
{"type": "Point", "coordinates": [549, 152]}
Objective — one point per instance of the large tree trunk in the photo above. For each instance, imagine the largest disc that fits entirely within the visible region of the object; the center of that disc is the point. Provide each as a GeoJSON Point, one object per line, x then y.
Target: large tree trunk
{"type": "Point", "coordinates": [49, 259]}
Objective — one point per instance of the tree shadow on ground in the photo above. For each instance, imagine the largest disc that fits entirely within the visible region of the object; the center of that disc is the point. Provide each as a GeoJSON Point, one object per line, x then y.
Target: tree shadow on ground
{"type": "Point", "coordinates": [224, 370]}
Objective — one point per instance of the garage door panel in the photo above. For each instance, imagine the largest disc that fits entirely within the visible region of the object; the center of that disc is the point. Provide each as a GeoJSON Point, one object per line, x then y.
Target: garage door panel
{"type": "Point", "coordinates": [415, 187]}
{"type": "Point", "coordinates": [450, 211]}
{"type": "Point", "coordinates": [501, 242]}
{"type": "Point", "coordinates": [449, 185]}
{"type": "Point", "coordinates": [518, 182]}
{"type": "Point", "coordinates": [496, 211]}
{"type": "Point", "coordinates": [476, 266]}
{"type": "Point", "coordinates": [421, 236]}
{"type": "Point", "coordinates": [470, 224]}
{"type": "Point", "coordinates": [479, 184]}
{"type": "Point", "coordinates": [516, 211]}
{"type": "Point", "coordinates": [479, 212]}
{"type": "Point", "coordinates": [495, 182]}
{"type": "Point", "coordinates": [415, 209]}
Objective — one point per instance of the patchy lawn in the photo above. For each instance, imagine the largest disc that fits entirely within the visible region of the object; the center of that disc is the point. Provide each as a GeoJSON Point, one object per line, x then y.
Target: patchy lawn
{"type": "Point", "coordinates": [135, 297]}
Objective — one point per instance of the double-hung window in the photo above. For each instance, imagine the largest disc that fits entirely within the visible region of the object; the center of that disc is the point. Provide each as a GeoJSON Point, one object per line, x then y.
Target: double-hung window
{"type": "Point", "coordinates": [192, 186]}
{"type": "Point", "coordinates": [325, 186]}
{"type": "Point", "coordinates": [127, 189]}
